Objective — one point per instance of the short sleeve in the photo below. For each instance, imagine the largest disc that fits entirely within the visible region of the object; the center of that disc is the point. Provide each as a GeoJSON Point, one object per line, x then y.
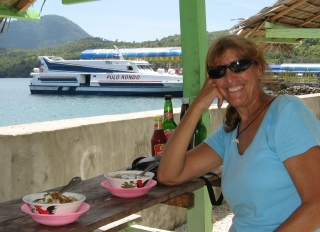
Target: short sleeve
{"type": "Point", "coordinates": [295, 127]}
{"type": "Point", "coordinates": [217, 140]}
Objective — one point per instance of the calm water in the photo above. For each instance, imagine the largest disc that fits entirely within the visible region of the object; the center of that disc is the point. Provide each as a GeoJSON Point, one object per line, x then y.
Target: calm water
{"type": "Point", "coordinates": [18, 106]}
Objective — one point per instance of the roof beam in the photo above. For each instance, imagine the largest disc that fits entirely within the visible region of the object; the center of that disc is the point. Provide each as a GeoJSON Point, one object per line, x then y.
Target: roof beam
{"type": "Point", "coordinates": [8, 12]}
{"type": "Point", "coordinates": [23, 5]}
{"type": "Point", "coordinates": [309, 20]}
{"type": "Point", "coordinates": [290, 8]}
{"type": "Point", "coordinates": [293, 33]}
{"type": "Point", "coordinates": [275, 40]}
{"type": "Point", "coordinates": [279, 31]}
{"type": "Point", "coordinates": [68, 2]}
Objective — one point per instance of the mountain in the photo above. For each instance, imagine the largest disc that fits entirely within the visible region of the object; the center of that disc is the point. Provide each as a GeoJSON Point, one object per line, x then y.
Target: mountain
{"type": "Point", "coordinates": [50, 30]}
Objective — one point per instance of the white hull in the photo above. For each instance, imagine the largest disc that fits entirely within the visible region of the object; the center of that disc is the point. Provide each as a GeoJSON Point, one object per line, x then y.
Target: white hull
{"type": "Point", "coordinates": [102, 77]}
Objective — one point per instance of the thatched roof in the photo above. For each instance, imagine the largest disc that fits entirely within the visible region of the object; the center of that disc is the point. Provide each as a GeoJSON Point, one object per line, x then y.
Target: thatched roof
{"type": "Point", "coordinates": [18, 5]}
{"type": "Point", "coordinates": [13, 7]}
{"type": "Point", "coordinates": [290, 13]}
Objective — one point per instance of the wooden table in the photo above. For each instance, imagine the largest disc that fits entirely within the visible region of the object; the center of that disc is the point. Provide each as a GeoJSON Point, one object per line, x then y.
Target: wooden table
{"type": "Point", "coordinates": [106, 208]}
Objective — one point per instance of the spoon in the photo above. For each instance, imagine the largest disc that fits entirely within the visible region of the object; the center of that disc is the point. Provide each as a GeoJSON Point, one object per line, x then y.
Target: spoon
{"type": "Point", "coordinates": [73, 182]}
{"type": "Point", "coordinates": [149, 167]}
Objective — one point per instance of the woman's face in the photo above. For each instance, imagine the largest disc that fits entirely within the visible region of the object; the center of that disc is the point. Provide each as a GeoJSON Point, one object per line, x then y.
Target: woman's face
{"type": "Point", "coordinates": [239, 89]}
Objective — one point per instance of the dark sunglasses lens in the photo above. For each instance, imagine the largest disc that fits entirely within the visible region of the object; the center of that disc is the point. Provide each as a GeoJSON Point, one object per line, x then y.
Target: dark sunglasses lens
{"type": "Point", "coordinates": [217, 72]}
{"type": "Point", "coordinates": [239, 65]}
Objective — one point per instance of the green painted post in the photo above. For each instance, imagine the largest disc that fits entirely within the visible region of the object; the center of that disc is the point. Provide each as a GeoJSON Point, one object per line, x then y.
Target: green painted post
{"type": "Point", "coordinates": [194, 48]}
{"type": "Point", "coordinates": [199, 217]}
{"type": "Point", "coordinates": [66, 2]}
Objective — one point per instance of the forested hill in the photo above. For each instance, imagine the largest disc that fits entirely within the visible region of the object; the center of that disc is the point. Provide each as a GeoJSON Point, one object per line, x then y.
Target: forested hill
{"type": "Point", "coordinates": [20, 62]}
{"type": "Point", "coordinates": [51, 30]}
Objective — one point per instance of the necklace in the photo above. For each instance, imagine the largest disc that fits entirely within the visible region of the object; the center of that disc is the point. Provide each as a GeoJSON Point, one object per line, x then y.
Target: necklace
{"type": "Point", "coordinates": [236, 140]}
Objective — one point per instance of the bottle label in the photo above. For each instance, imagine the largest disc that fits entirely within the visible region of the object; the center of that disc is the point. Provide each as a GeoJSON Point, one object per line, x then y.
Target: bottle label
{"type": "Point", "coordinates": [168, 115]}
{"type": "Point", "coordinates": [168, 133]}
{"type": "Point", "coordinates": [158, 126]}
{"type": "Point", "coordinates": [159, 149]}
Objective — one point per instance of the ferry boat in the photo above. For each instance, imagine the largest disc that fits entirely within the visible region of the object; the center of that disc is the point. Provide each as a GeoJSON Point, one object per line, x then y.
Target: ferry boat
{"type": "Point", "coordinates": [103, 77]}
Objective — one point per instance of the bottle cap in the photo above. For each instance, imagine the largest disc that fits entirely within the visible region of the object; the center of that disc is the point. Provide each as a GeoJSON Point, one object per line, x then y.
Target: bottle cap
{"type": "Point", "coordinates": [167, 97]}
{"type": "Point", "coordinates": [158, 118]}
{"type": "Point", "coordinates": [185, 100]}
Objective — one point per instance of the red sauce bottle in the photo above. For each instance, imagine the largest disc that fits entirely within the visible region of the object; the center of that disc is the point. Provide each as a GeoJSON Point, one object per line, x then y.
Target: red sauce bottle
{"type": "Point", "coordinates": [158, 140]}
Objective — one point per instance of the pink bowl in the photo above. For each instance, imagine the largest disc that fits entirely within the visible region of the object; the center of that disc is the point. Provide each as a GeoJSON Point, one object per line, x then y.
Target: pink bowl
{"type": "Point", "coordinates": [53, 208]}
{"type": "Point", "coordinates": [128, 192]}
{"type": "Point", "coordinates": [56, 219]}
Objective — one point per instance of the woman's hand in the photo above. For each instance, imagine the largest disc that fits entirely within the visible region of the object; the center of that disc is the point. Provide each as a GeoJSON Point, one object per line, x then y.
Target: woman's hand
{"type": "Point", "coordinates": [207, 94]}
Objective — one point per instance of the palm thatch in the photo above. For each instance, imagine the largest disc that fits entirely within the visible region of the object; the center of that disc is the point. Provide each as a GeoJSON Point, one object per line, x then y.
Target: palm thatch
{"type": "Point", "coordinates": [17, 6]}
{"type": "Point", "coordinates": [290, 13]}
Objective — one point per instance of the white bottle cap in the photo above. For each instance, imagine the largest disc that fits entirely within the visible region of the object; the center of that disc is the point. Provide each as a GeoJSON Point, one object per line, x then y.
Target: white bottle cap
{"type": "Point", "coordinates": [185, 100]}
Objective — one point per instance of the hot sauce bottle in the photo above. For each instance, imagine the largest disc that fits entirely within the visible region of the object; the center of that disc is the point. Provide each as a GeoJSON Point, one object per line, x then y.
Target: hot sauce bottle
{"type": "Point", "coordinates": [158, 140]}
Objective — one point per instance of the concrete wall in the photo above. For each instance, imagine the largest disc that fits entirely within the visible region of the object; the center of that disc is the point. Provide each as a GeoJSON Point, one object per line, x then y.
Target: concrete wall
{"type": "Point", "coordinates": [39, 156]}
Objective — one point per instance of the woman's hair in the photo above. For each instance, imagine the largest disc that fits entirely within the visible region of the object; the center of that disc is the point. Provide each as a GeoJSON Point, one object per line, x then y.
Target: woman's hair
{"type": "Point", "coordinates": [245, 49]}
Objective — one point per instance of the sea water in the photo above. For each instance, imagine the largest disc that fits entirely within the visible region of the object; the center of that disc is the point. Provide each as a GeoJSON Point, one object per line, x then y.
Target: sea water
{"type": "Point", "coordinates": [19, 106]}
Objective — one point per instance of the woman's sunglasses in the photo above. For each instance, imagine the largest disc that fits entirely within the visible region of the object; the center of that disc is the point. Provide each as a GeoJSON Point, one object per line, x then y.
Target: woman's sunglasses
{"type": "Point", "coordinates": [236, 66]}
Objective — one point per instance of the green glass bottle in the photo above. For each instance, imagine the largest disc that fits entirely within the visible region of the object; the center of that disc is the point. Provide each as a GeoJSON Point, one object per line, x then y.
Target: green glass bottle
{"type": "Point", "coordinates": [200, 133]}
{"type": "Point", "coordinates": [168, 123]}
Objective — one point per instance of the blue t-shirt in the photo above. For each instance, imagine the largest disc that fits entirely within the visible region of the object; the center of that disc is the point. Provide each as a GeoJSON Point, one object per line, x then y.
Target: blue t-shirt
{"type": "Point", "coordinates": [256, 184]}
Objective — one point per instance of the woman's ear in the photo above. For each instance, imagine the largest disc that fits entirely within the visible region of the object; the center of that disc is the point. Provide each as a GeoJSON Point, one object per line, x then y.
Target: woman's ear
{"type": "Point", "coordinates": [260, 72]}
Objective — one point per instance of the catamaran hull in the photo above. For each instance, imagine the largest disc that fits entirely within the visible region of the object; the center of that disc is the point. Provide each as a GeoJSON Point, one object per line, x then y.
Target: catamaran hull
{"type": "Point", "coordinates": [73, 90]}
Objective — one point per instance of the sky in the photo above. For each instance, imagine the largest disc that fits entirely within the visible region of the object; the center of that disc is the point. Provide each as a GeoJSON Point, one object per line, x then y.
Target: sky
{"type": "Point", "coordinates": [146, 20]}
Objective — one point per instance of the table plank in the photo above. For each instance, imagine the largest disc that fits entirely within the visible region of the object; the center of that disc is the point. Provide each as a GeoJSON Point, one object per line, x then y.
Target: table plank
{"type": "Point", "coordinates": [104, 207]}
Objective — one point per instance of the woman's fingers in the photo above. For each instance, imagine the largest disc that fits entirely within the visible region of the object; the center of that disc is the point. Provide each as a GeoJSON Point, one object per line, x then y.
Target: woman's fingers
{"type": "Point", "coordinates": [208, 93]}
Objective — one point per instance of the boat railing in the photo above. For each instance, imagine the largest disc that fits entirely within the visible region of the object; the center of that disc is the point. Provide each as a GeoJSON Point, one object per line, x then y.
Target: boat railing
{"type": "Point", "coordinates": [306, 77]}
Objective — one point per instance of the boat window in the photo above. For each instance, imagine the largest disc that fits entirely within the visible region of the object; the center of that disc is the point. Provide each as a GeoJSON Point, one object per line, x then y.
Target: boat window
{"type": "Point", "coordinates": [129, 68]}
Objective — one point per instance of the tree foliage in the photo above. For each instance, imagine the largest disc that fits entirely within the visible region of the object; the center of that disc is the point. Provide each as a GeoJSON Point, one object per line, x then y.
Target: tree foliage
{"type": "Point", "coordinates": [19, 62]}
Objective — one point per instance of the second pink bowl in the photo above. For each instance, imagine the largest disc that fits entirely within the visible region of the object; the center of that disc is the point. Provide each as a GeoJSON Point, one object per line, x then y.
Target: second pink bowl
{"type": "Point", "coordinates": [128, 192]}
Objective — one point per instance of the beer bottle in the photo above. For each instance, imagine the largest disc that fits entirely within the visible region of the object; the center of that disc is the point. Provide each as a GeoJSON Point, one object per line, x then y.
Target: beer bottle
{"type": "Point", "coordinates": [158, 139]}
{"type": "Point", "coordinates": [168, 123]}
{"type": "Point", "coordinates": [200, 133]}
{"type": "Point", "coordinates": [184, 108]}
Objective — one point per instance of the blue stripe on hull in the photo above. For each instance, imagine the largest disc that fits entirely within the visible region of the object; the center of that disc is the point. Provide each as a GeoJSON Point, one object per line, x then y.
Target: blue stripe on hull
{"type": "Point", "coordinates": [109, 93]}
{"type": "Point", "coordinates": [133, 85]}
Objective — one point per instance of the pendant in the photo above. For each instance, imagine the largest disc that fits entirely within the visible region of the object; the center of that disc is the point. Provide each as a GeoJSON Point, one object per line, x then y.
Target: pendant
{"type": "Point", "coordinates": [235, 140]}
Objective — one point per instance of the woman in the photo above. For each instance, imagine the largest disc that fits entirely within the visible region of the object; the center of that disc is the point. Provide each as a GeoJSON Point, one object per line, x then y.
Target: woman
{"type": "Point", "coordinates": [269, 146]}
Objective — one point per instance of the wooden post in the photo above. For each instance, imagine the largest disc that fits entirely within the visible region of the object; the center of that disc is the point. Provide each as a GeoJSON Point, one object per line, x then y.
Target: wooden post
{"type": "Point", "coordinates": [194, 48]}
{"type": "Point", "coordinates": [199, 217]}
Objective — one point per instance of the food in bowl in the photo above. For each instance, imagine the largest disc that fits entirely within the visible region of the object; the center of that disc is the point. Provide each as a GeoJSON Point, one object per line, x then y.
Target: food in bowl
{"type": "Point", "coordinates": [128, 179]}
{"type": "Point", "coordinates": [56, 198]}
{"type": "Point", "coordinates": [54, 207]}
